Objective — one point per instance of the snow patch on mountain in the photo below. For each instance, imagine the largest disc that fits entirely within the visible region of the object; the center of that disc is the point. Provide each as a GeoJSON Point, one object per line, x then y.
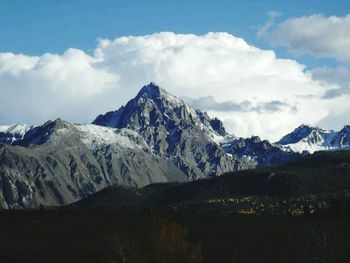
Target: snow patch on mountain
{"type": "Point", "coordinates": [19, 128]}
{"type": "Point", "coordinates": [95, 136]}
{"type": "Point", "coordinates": [215, 136]}
{"type": "Point", "coordinates": [12, 133]}
{"type": "Point", "coordinates": [4, 128]}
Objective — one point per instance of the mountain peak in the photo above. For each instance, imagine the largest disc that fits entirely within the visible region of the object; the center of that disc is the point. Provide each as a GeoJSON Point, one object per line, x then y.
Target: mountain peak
{"type": "Point", "coordinates": [305, 127]}
{"type": "Point", "coordinates": [298, 134]}
{"type": "Point", "coordinates": [59, 123]}
{"type": "Point", "coordinates": [150, 105]}
{"type": "Point", "coordinates": [151, 89]}
{"type": "Point", "coordinates": [41, 134]}
{"type": "Point", "coordinates": [154, 92]}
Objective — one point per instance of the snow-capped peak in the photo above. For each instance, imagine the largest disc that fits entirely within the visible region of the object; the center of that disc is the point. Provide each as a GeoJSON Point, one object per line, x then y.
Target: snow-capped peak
{"type": "Point", "coordinates": [157, 94]}
{"type": "Point", "coordinates": [299, 133]}
{"type": "Point", "coordinates": [43, 133]}
{"type": "Point", "coordinates": [154, 106]}
{"type": "Point", "coordinates": [306, 133]}
{"type": "Point", "coordinates": [311, 139]}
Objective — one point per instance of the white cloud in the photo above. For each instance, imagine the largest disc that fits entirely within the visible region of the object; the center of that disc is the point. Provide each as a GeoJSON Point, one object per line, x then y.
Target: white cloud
{"type": "Point", "coordinates": [78, 86]}
{"type": "Point", "coordinates": [316, 35]}
{"type": "Point", "coordinates": [34, 89]}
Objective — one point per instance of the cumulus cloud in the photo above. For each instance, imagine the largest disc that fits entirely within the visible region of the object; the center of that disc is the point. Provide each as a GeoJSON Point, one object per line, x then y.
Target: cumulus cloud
{"type": "Point", "coordinates": [34, 89]}
{"type": "Point", "coordinates": [316, 35]}
{"type": "Point", "coordinates": [272, 94]}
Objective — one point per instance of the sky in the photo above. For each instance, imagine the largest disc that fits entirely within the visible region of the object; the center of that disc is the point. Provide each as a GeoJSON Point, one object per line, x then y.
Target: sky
{"type": "Point", "coordinates": [263, 67]}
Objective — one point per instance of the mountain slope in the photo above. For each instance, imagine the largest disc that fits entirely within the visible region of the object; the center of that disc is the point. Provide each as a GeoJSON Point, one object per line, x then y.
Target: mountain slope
{"type": "Point", "coordinates": [59, 163]}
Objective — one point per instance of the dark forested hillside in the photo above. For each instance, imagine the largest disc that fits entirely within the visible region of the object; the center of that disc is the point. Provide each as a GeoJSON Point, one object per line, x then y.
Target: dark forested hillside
{"type": "Point", "coordinates": [319, 176]}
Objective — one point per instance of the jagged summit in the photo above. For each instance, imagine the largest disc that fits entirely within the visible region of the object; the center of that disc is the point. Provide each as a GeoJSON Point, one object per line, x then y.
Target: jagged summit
{"type": "Point", "coordinates": [151, 97]}
{"type": "Point", "coordinates": [151, 89]}
{"type": "Point", "coordinates": [160, 97]}
{"type": "Point", "coordinates": [306, 126]}
{"type": "Point", "coordinates": [57, 124]}
{"type": "Point", "coordinates": [152, 106]}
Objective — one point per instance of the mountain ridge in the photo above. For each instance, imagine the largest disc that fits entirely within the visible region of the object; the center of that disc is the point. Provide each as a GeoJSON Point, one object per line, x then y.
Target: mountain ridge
{"type": "Point", "coordinates": [312, 138]}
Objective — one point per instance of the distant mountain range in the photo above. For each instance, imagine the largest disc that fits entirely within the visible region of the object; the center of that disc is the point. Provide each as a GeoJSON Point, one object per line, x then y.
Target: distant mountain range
{"type": "Point", "coordinates": [310, 139]}
{"type": "Point", "coordinates": [155, 137]}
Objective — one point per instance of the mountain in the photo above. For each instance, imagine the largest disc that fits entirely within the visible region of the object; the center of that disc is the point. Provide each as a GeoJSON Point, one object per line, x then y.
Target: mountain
{"type": "Point", "coordinates": [12, 133]}
{"type": "Point", "coordinates": [174, 130]}
{"type": "Point", "coordinates": [155, 138]}
{"type": "Point", "coordinates": [310, 139]}
{"type": "Point", "coordinates": [59, 163]}
{"type": "Point", "coordinates": [199, 145]}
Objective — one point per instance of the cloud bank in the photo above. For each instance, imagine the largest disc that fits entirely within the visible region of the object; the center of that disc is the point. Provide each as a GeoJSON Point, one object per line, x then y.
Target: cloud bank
{"type": "Point", "coordinates": [209, 103]}
{"type": "Point", "coordinates": [317, 35]}
{"type": "Point", "coordinates": [250, 89]}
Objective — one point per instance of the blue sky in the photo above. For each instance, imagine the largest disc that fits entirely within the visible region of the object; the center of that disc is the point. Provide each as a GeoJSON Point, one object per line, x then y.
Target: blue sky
{"type": "Point", "coordinates": [37, 26]}
{"type": "Point", "coordinates": [64, 82]}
